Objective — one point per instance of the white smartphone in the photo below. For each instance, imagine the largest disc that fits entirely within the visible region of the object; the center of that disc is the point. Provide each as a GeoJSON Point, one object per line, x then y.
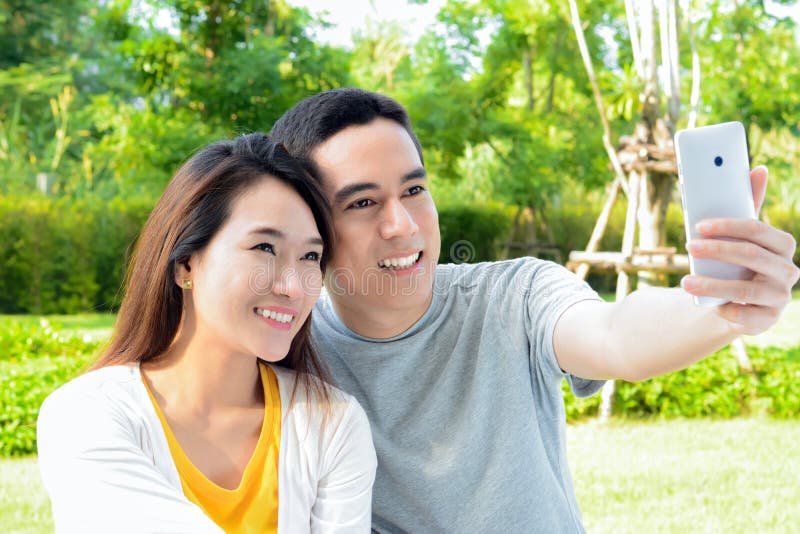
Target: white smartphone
{"type": "Point", "coordinates": [714, 177]}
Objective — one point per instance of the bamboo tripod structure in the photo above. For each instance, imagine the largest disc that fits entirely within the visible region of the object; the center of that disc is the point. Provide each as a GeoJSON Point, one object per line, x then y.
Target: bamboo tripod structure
{"type": "Point", "coordinates": [631, 163]}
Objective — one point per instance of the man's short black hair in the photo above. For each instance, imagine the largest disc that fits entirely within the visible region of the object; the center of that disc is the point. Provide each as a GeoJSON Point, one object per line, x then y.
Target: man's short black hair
{"type": "Point", "coordinates": [315, 119]}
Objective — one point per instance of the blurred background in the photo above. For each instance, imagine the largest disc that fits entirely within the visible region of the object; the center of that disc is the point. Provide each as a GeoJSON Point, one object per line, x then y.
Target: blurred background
{"type": "Point", "coordinates": [528, 138]}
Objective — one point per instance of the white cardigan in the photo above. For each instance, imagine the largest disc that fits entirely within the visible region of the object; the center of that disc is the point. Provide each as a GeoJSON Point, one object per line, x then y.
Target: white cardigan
{"type": "Point", "coordinates": [107, 467]}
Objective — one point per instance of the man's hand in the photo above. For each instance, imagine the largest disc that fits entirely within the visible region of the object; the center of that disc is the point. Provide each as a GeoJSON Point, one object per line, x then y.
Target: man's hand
{"type": "Point", "coordinates": [756, 304]}
{"type": "Point", "coordinates": [654, 331]}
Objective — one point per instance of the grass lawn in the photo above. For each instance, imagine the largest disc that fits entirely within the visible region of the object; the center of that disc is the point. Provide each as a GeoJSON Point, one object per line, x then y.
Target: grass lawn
{"type": "Point", "coordinates": [731, 476]}
{"type": "Point", "coordinates": [676, 476]}
{"type": "Point", "coordinates": [700, 476]}
{"type": "Point", "coordinates": [24, 507]}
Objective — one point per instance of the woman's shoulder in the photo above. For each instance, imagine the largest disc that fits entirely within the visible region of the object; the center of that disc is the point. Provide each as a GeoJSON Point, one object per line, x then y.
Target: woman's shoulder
{"type": "Point", "coordinates": [100, 392]}
{"type": "Point", "coordinates": [98, 382]}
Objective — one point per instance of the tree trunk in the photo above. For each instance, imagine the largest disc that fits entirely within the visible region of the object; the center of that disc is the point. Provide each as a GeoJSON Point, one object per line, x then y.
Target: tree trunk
{"type": "Point", "coordinates": [527, 64]}
{"type": "Point", "coordinates": [512, 234]}
{"type": "Point", "coordinates": [269, 27]}
{"type": "Point", "coordinates": [654, 198]}
{"type": "Point", "coordinates": [551, 86]}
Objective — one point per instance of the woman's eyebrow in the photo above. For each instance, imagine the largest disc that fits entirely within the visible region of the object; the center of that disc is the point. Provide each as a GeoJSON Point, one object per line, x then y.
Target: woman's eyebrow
{"type": "Point", "coordinates": [273, 232]}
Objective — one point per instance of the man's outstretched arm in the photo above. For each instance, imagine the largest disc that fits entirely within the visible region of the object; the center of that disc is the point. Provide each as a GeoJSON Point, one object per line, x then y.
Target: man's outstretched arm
{"type": "Point", "coordinates": [658, 330]}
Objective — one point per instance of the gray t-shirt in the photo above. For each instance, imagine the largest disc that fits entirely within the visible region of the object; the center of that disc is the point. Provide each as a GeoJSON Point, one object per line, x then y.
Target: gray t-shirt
{"type": "Point", "coordinates": [466, 406]}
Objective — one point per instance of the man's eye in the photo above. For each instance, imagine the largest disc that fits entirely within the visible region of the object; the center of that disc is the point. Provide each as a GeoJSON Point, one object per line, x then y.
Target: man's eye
{"type": "Point", "coordinates": [363, 203]}
{"type": "Point", "coordinates": [416, 190]}
{"type": "Point", "coordinates": [266, 247]}
{"type": "Point", "coordinates": [312, 256]}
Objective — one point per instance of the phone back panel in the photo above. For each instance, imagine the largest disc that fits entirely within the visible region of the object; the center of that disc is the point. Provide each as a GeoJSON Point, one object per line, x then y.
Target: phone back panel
{"type": "Point", "coordinates": [714, 174]}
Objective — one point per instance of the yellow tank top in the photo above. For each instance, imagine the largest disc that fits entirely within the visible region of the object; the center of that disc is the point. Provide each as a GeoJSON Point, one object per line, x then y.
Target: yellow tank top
{"type": "Point", "coordinates": [253, 506]}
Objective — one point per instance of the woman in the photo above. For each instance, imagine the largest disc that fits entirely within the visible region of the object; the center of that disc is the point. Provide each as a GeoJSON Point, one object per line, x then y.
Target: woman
{"type": "Point", "coordinates": [182, 425]}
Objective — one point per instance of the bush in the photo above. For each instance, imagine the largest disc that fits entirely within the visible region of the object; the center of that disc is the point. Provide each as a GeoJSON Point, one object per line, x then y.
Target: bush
{"type": "Point", "coordinates": [473, 233]}
{"type": "Point", "coordinates": [60, 255]}
{"type": "Point", "coordinates": [787, 220]}
{"type": "Point", "coordinates": [23, 341]}
{"type": "Point", "coordinates": [714, 387]}
{"type": "Point", "coordinates": [63, 255]}
{"type": "Point", "coordinates": [778, 386]}
{"type": "Point", "coordinates": [36, 360]}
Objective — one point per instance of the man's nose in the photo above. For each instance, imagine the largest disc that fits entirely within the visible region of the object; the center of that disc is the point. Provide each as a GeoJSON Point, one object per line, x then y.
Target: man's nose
{"type": "Point", "coordinates": [397, 221]}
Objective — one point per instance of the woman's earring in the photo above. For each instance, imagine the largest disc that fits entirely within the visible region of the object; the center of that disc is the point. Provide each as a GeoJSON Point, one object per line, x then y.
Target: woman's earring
{"type": "Point", "coordinates": [186, 283]}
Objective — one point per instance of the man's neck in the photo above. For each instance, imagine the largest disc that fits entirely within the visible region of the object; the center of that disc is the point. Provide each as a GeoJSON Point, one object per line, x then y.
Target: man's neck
{"type": "Point", "coordinates": [378, 322]}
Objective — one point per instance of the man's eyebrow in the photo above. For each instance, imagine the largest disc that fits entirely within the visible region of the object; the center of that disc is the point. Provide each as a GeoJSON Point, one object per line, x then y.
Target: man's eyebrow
{"type": "Point", "coordinates": [415, 174]}
{"type": "Point", "coordinates": [280, 235]}
{"type": "Point", "coordinates": [350, 190]}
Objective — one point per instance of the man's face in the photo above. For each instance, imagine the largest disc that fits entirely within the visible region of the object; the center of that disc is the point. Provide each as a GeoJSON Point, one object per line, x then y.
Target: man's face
{"type": "Point", "coordinates": [387, 228]}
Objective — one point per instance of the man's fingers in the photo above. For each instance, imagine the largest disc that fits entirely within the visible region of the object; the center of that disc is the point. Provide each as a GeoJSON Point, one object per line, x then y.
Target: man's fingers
{"type": "Point", "coordinates": [758, 183]}
{"type": "Point", "coordinates": [747, 319]}
{"type": "Point", "coordinates": [756, 292]}
{"type": "Point", "coordinates": [749, 255]}
{"type": "Point", "coordinates": [757, 232]}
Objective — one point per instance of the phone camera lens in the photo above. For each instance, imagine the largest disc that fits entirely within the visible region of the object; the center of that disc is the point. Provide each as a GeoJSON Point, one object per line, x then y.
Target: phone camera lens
{"type": "Point", "coordinates": [718, 161]}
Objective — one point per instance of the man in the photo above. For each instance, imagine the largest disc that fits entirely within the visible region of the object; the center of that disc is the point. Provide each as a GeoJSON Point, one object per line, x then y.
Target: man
{"type": "Point", "coordinates": [459, 367]}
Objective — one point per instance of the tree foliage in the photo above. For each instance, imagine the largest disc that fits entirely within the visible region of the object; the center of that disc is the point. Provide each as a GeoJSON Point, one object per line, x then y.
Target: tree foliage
{"type": "Point", "coordinates": [109, 97]}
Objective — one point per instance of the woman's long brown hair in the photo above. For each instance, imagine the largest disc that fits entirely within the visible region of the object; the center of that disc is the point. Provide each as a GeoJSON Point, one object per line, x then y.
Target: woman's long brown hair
{"type": "Point", "coordinates": [194, 206]}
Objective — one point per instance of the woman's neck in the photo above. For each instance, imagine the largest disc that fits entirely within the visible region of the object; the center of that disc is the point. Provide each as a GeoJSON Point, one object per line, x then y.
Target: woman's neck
{"type": "Point", "coordinates": [199, 376]}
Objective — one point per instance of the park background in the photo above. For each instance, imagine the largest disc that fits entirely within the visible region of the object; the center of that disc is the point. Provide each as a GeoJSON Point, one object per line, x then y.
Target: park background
{"type": "Point", "coordinates": [101, 101]}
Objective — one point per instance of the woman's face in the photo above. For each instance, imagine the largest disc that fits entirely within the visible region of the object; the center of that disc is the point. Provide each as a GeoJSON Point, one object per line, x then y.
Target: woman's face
{"type": "Point", "coordinates": [256, 281]}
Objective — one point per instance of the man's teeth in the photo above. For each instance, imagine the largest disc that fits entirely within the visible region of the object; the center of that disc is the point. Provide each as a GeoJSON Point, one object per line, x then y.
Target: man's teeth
{"type": "Point", "coordinates": [399, 263]}
{"type": "Point", "coordinates": [280, 317]}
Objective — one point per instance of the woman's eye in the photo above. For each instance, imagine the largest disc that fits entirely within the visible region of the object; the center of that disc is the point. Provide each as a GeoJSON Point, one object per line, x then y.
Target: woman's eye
{"type": "Point", "coordinates": [266, 247]}
{"type": "Point", "coordinates": [417, 189]}
{"type": "Point", "coordinates": [313, 256]}
{"type": "Point", "coordinates": [363, 203]}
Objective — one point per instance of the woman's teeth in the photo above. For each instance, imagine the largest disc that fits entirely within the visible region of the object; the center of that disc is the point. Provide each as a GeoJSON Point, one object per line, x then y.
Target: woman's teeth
{"type": "Point", "coordinates": [399, 263]}
{"type": "Point", "coordinates": [280, 317]}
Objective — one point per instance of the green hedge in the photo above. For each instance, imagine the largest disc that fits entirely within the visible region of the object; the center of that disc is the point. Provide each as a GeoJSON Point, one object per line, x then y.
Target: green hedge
{"type": "Point", "coordinates": [714, 387]}
{"type": "Point", "coordinates": [38, 358]}
{"type": "Point", "coordinates": [473, 233]}
{"type": "Point", "coordinates": [483, 230]}
{"type": "Point", "coordinates": [61, 255]}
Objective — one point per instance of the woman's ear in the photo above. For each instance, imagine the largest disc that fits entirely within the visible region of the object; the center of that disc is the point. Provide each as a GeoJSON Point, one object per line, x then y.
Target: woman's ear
{"type": "Point", "coordinates": [183, 274]}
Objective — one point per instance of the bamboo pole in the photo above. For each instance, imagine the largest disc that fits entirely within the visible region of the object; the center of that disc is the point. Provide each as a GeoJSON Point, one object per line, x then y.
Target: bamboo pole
{"type": "Point", "coordinates": [623, 282]}
{"type": "Point", "coordinates": [598, 97]}
{"type": "Point", "coordinates": [599, 228]}
{"type": "Point", "coordinates": [695, 97]}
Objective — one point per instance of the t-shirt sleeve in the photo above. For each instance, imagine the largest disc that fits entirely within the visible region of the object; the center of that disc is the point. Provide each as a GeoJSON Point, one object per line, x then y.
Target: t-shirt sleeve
{"type": "Point", "coordinates": [98, 477]}
{"type": "Point", "coordinates": [344, 492]}
{"type": "Point", "coordinates": [551, 291]}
